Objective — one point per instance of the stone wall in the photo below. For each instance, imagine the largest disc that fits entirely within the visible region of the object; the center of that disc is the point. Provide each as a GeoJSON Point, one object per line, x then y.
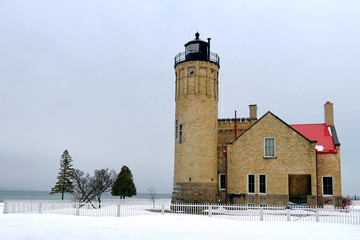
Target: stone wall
{"type": "Point", "coordinates": [328, 200]}
{"type": "Point", "coordinates": [258, 199]}
{"type": "Point", "coordinates": [195, 193]}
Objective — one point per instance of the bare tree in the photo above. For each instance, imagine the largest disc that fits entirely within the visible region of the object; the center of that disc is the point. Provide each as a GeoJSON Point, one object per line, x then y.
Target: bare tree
{"type": "Point", "coordinates": [152, 194]}
{"type": "Point", "coordinates": [103, 182]}
{"type": "Point", "coordinates": [82, 186]}
{"type": "Point", "coordinates": [89, 188]}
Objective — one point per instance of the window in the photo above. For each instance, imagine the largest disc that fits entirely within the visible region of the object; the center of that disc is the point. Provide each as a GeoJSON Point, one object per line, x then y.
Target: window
{"type": "Point", "coordinates": [328, 186]}
{"type": "Point", "coordinates": [251, 183]}
{"type": "Point", "coordinates": [176, 128]}
{"type": "Point", "coordinates": [192, 48]}
{"type": "Point", "coordinates": [269, 147]}
{"type": "Point", "coordinates": [222, 181]}
{"type": "Point", "coordinates": [181, 133]}
{"type": "Point", "coordinates": [262, 184]}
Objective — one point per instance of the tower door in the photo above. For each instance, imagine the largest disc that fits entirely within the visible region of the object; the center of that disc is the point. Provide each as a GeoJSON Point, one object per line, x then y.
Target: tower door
{"type": "Point", "coordinates": [299, 187]}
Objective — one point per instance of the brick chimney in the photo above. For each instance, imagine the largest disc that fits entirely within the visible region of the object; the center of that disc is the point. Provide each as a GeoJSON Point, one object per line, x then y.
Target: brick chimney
{"type": "Point", "coordinates": [253, 112]}
{"type": "Point", "coordinates": [329, 114]}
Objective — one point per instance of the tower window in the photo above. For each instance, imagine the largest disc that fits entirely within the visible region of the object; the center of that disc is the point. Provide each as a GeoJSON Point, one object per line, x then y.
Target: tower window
{"type": "Point", "coordinates": [181, 133]}
{"type": "Point", "coordinates": [269, 147]}
{"type": "Point", "coordinates": [222, 181]}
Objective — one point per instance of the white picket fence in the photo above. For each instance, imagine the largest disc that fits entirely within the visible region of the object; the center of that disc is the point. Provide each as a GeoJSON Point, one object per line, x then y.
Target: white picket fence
{"type": "Point", "coordinates": [116, 208]}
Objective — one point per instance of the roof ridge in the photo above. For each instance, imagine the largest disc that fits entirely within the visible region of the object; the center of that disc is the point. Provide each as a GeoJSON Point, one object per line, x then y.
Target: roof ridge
{"type": "Point", "coordinates": [288, 125]}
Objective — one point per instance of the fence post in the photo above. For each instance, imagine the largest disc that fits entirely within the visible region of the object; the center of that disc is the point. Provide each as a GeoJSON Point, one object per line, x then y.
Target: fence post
{"type": "Point", "coordinates": [5, 207]}
{"type": "Point", "coordinates": [261, 214]}
{"type": "Point", "coordinates": [162, 209]}
{"type": "Point", "coordinates": [288, 215]}
{"type": "Point", "coordinates": [118, 210]}
{"type": "Point", "coordinates": [77, 209]}
{"type": "Point", "coordinates": [39, 208]}
{"type": "Point", "coordinates": [317, 214]}
{"type": "Point", "coordinates": [210, 210]}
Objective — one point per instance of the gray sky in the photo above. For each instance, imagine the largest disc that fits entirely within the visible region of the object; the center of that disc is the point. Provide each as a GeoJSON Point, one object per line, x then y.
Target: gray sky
{"type": "Point", "coordinates": [97, 78]}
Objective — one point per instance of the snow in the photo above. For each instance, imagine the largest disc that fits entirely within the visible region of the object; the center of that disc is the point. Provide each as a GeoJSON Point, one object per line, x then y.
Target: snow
{"type": "Point", "coordinates": [329, 129]}
{"type": "Point", "coordinates": [60, 227]}
{"type": "Point", "coordinates": [319, 148]}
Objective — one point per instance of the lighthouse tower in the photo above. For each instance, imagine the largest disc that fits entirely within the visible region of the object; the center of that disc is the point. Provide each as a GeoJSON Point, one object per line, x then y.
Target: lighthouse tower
{"type": "Point", "coordinates": [196, 119]}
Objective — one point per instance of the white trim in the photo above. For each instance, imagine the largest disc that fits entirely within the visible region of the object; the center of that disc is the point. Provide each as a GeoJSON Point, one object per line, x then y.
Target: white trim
{"type": "Point", "coordinates": [322, 185]}
{"type": "Point", "coordinates": [247, 180]}
{"type": "Point", "coordinates": [220, 181]}
{"type": "Point", "coordinates": [265, 147]}
{"type": "Point", "coordinates": [265, 184]}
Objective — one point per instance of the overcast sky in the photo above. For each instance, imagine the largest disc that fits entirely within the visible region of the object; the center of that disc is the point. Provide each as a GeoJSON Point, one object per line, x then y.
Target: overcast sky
{"type": "Point", "coordinates": [97, 78]}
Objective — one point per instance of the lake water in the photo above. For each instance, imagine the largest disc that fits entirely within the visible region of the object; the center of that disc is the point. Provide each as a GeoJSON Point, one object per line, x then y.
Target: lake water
{"type": "Point", "coordinates": [44, 195]}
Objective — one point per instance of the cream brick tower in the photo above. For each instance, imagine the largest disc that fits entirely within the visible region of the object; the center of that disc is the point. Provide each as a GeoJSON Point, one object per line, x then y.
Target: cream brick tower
{"type": "Point", "coordinates": [196, 119]}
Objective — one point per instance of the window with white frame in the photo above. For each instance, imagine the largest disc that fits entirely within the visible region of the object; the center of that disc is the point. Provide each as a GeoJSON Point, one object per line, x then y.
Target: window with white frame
{"type": "Point", "coordinates": [222, 181]}
{"type": "Point", "coordinates": [251, 183]}
{"type": "Point", "coordinates": [262, 183]}
{"type": "Point", "coordinates": [269, 147]}
{"type": "Point", "coordinates": [328, 186]}
{"type": "Point", "coordinates": [181, 133]}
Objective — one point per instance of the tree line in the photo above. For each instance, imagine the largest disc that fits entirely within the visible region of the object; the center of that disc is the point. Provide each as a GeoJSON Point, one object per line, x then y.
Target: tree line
{"type": "Point", "coordinates": [86, 188]}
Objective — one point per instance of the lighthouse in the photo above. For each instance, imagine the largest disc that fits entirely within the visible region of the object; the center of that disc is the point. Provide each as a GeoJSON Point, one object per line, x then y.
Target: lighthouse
{"type": "Point", "coordinates": [196, 122]}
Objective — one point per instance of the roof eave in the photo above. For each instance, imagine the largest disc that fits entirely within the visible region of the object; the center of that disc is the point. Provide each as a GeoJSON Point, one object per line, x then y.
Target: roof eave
{"type": "Point", "coordinates": [327, 152]}
{"type": "Point", "coordinates": [334, 136]}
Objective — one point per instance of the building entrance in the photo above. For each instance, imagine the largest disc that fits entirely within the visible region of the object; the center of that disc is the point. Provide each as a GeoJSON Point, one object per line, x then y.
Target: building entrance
{"type": "Point", "coordinates": [299, 187]}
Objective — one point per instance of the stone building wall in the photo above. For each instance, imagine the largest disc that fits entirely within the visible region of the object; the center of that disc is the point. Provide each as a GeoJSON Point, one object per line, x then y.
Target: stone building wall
{"type": "Point", "coordinates": [294, 155]}
{"type": "Point", "coordinates": [226, 133]}
{"type": "Point", "coordinates": [226, 128]}
{"type": "Point", "coordinates": [329, 166]}
{"type": "Point", "coordinates": [196, 96]}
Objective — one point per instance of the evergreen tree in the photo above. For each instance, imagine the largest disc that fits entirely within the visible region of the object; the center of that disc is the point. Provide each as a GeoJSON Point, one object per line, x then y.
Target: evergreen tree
{"type": "Point", "coordinates": [64, 182]}
{"type": "Point", "coordinates": [124, 184]}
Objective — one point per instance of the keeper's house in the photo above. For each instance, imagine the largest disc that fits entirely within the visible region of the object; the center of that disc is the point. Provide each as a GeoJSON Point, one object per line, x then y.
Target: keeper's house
{"type": "Point", "coordinates": [275, 163]}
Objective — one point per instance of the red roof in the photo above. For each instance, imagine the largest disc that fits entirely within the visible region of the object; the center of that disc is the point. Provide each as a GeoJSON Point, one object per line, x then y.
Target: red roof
{"type": "Point", "coordinates": [319, 132]}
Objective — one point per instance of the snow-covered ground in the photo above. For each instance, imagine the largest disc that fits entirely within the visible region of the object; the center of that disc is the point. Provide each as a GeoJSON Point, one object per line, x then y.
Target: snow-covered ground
{"type": "Point", "coordinates": [44, 226]}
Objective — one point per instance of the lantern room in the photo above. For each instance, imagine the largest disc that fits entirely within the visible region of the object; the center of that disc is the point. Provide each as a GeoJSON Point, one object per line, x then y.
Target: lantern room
{"type": "Point", "coordinates": [197, 50]}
